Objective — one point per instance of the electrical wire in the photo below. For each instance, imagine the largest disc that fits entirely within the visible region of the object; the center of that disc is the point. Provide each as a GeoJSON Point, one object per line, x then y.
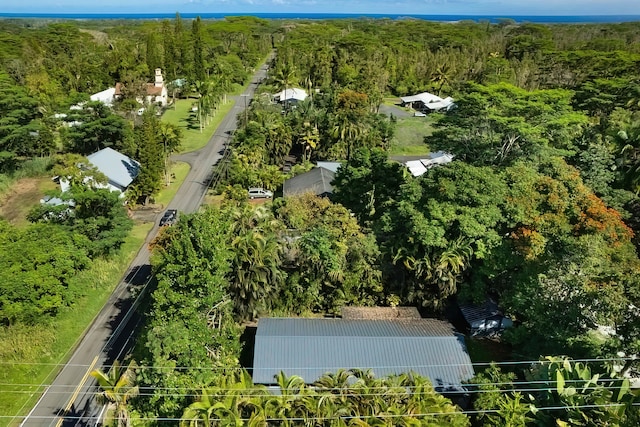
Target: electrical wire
{"type": "Point", "coordinates": [349, 417]}
{"type": "Point", "coordinates": [329, 368]}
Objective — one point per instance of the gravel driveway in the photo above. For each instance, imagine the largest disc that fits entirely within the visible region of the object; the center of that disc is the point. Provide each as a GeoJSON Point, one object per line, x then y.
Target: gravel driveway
{"type": "Point", "coordinates": [396, 111]}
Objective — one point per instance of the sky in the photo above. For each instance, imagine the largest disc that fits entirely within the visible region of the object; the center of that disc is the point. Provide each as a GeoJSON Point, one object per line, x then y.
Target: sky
{"type": "Point", "coordinates": [415, 7]}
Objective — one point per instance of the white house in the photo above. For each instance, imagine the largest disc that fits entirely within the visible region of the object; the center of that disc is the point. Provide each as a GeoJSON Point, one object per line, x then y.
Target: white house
{"type": "Point", "coordinates": [420, 166]}
{"type": "Point", "coordinates": [427, 102]}
{"type": "Point", "coordinates": [119, 169]}
{"type": "Point", "coordinates": [156, 92]}
{"type": "Point", "coordinates": [293, 94]}
{"type": "Point", "coordinates": [106, 96]}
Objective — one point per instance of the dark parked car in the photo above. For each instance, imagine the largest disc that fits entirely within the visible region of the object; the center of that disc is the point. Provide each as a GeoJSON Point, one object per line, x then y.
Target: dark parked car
{"type": "Point", "coordinates": [169, 218]}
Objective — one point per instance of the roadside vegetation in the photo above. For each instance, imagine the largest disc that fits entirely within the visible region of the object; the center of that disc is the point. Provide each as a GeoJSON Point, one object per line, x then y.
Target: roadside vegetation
{"type": "Point", "coordinates": [60, 263]}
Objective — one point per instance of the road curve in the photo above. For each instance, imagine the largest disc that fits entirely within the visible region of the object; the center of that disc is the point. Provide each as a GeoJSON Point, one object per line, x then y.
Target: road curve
{"type": "Point", "coordinates": [69, 400]}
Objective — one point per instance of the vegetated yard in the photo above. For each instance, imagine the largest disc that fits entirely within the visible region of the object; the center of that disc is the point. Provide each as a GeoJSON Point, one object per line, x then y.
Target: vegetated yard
{"type": "Point", "coordinates": [483, 351]}
{"type": "Point", "coordinates": [182, 116]}
{"type": "Point", "coordinates": [409, 137]}
{"type": "Point", "coordinates": [22, 197]}
{"type": "Point", "coordinates": [30, 356]}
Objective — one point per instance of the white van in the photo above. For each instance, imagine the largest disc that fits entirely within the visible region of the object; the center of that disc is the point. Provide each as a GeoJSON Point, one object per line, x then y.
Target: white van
{"type": "Point", "coordinates": [259, 193]}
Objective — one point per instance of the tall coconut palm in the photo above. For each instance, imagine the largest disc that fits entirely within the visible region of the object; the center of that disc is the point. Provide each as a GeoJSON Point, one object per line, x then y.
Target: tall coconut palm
{"type": "Point", "coordinates": [347, 134]}
{"type": "Point", "coordinates": [118, 387]}
{"type": "Point", "coordinates": [285, 78]}
{"type": "Point", "coordinates": [170, 136]}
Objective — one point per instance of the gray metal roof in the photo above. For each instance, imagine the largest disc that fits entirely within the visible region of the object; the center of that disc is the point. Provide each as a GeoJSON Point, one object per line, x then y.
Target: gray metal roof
{"type": "Point", "coordinates": [118, 168]}
{"type": "Point", "coordinates": [332, 166]}
{"type": "Point", "coordinates": [316, 181]}
{"type": "Point", "coordinates": [312, 347]}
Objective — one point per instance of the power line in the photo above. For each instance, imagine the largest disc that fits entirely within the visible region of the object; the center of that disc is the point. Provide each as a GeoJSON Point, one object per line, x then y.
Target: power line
{"type": "Point", "coordinates": [515, 385]}
{"type": "Point", "coordinates": [333, 368]}
{"type": "Point", "coordinates": [264, 393]}
{"type": "Point", "coordinates": [350, 417]}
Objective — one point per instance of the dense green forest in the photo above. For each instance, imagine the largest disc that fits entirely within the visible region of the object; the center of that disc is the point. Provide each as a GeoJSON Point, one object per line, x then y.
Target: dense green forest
{"type": "Point", "coordinates": [538, 210]}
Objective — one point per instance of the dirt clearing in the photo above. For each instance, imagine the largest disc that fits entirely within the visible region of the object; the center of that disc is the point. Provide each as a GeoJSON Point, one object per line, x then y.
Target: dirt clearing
{"type": "Point", "coordinates": [24, 194]}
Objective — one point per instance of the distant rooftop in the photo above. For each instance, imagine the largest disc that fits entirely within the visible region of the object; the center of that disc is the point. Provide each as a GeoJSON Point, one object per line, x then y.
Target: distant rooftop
{"type": "Point", "coordinates": [291, 93]}
{"type": "Point", "coordinates": [316, 181]}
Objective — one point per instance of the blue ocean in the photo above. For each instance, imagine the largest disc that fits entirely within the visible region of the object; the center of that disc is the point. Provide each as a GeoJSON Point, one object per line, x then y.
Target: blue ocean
{"type": "Point", "coordinates": [318, 16]}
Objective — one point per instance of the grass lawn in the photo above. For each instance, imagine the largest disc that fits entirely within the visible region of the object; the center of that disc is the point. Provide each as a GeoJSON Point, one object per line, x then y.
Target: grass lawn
{"type": "Point", "coordinates": [30, 356]}
{"type": "Point", "coordinates": [183, 117]}
{"type": "Point", "coordinates": [179, 171]}
{"type": "Point", "coordinates": [409, 137]}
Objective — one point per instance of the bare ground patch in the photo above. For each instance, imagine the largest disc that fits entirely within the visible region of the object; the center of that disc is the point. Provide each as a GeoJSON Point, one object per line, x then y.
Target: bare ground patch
{"type": "Point", "coordinates": [22, 197]}
{"type": "Point", "coordinates": [148, 213]}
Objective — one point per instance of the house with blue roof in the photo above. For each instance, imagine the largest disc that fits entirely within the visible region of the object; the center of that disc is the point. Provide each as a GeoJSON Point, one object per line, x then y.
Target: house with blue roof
{"type": "Point", "coordinates": [119, 169]}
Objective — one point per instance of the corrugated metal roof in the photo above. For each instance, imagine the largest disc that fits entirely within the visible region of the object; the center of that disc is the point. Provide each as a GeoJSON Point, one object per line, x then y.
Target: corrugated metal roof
{"type": "Point", "coordinates": [332, 166]}
{"type": "Point", "coordinates": [291, 93]}
{"type": "Point", "coordinates": [118, 168]}
{"type": "Point", "coordinates": [424, 97]}
{"type": "Point", "coordinates": [312, 347]}
{"type": "Point", "coordinates": [316, 181]}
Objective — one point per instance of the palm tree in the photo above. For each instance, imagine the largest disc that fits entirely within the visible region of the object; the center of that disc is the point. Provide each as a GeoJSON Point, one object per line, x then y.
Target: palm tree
{"type": "Point", "coordinates": [285, 78]}
{"type": "Point", "coordinates": [118, 387]}
{"type": "Point", "coordinates": [347, 133]}
{"type": "Point", "coordinates": [170, 136]}
{"type": "Point", "coordinates": [630, 156]}
{"type": "Point", "coordinates": [255, 275]}
{"type": "Point", "coordinates": [309, 139]}
{"type": "Point", "coordinates": [441, 76]}
{"type": "Point", "coordinates": [451, 262]}
{"type": "Point", "coordinates": [200, 412]}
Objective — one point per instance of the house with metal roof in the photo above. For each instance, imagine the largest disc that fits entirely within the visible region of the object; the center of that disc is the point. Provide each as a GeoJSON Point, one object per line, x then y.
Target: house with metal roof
{"type": "Point", "coordinates": [316, 181]}
{"type": "Point", "coordinates": [290, 95]}
{"type": "Point", "coordinates": [486, 319]}
{"type": "Point", "coordinates": [332, 166]}
{"type": "Point", "coordinates": [311, 348]}
{"type": "Point", "coordinates": [419, 166]}
{"type": "Point", "coordinates": [106, 96]}
{"type": "Point", "coordinates": [427, 102]}
{"type": "Point", "coordinates": [119, 169]}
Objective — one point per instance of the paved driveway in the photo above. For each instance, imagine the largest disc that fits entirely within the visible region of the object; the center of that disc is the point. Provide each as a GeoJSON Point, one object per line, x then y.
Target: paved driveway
{"type": "Point", "coordinates": [396, 111]}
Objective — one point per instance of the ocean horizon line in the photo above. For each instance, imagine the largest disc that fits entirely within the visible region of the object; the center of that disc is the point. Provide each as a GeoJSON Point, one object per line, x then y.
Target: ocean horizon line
{"type": "Point", "coordinates": [494, 18]}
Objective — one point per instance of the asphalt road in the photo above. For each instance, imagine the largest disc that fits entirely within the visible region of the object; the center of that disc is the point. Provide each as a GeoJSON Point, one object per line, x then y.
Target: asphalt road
{"type": "Point", "coordinates": [70, 399]}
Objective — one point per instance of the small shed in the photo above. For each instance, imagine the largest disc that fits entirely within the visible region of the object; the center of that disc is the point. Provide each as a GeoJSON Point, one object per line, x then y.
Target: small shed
{"type": "Point", "coordinates": [316, 181]}
{"type": "Point", "coordinates": [419, 166]}
{"type": "Point", "coordinates": [311, 348]}
{"type": "Point", "coordinates": [485, 320]}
